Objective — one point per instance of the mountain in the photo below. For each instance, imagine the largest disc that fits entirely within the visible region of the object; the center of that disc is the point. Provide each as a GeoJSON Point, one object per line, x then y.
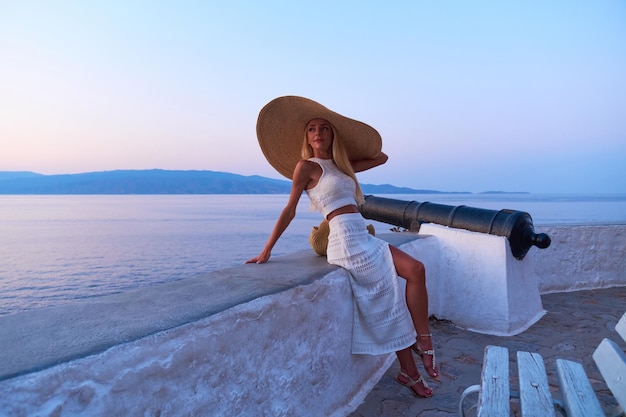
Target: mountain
{"type": "Point", "coordinates": [9, 175]}
{"type": "Point", "coordinates": [158, 181]}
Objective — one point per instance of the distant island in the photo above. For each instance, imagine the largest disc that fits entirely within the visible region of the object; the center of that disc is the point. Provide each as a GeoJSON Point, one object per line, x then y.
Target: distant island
{"type": "Point", "coordinates": [159, 181]}
{"type": "Point", "coordinates": [504, 192]}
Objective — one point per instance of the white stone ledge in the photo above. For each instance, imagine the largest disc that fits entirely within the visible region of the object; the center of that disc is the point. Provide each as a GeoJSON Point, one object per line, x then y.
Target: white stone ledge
{"type": "Point", "coordinates": [278, 344]}
{"type": "Point", "coordinates": [581, 258]}
{"type": "Point", "coordinates": [37, 339]}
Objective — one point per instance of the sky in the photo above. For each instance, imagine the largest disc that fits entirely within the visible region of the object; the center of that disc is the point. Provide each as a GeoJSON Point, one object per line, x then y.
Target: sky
{"type": "Point", "coordinates": [467, 95]}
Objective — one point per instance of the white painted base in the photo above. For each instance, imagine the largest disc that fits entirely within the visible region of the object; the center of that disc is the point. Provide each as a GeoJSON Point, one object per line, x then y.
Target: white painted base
{"type": "Point", "coordinates": [480, 286]}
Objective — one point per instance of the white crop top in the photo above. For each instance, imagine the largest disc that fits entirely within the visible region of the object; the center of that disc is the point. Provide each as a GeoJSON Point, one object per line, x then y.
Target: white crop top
{"type": "Point", "coordinates": [333, 190]}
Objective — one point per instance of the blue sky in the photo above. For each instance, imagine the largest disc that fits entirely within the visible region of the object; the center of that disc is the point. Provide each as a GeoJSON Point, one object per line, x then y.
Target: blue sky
{"type": "Point", "coordinates": [468, 95]}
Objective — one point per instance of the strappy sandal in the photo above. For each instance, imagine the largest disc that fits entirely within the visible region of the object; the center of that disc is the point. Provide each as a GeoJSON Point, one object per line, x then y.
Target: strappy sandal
{"type": "Point", "coordinates": [410, 382]}
{"type": "Point", "coordinates": [433, 372]}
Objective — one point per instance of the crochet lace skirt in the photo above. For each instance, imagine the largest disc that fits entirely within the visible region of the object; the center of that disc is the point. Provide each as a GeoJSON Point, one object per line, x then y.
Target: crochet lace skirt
{"type": "Point", "coordinates": [382, 322]}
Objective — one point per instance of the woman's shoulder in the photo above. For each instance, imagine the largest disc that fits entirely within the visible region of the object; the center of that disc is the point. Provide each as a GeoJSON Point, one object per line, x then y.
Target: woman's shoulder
{"type": "Point", "coordinates": [307, 165]}
{"type": "Point", "coordinates": [308, 169]}
{"type": "Point", "coordinates": [310, 163]}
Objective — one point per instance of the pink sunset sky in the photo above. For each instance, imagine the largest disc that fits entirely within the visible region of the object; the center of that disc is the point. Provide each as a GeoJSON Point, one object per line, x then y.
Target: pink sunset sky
{"type": "Point", "coordinates": [468, 96]}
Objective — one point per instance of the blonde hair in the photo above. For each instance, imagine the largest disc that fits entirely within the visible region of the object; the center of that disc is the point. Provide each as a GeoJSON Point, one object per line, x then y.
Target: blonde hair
{"type": "Point", "coordinates": [340, 157]}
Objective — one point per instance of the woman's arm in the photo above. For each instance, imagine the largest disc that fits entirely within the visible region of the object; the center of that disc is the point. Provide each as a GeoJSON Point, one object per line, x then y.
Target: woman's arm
{"type": "Point", "coordinates": [365, 164]}
{"type": "Point", "coordinates": [301, 177]}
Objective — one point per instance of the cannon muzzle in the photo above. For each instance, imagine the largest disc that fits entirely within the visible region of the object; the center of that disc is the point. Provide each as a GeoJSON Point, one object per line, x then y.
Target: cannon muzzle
{"type": "Point", "coordinates": [516, 226]}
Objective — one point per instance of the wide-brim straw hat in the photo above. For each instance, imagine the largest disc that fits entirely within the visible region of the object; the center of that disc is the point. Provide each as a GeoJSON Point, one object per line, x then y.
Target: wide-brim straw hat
{"type": "Point", "coordinates": [280, 130]}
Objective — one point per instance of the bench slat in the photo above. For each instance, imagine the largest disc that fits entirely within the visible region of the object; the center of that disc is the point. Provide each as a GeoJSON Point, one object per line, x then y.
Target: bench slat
{"type": "Point", "coordinates": [578, 396]}
{"type": "Point", "coordinates": [494, 396]}
{"type": "Point", "coordinates": [611, 362]}
{"type": "Point", "coordinates": [621, 327]}
{"type": "Point", "coordinates": [535, 396]}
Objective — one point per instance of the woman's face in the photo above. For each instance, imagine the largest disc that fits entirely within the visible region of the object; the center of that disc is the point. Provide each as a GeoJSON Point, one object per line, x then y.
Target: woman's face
{"type": "Point", "coordinates": [319, 135]}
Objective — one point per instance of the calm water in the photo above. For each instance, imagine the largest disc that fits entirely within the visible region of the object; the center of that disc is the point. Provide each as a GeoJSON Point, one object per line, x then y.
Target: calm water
{"type": "Point", "coordinates": [57, 248]}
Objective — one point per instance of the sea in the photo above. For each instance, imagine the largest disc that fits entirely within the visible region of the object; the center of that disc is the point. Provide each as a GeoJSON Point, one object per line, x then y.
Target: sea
{"type": "Point", "coordinates": [59, 248]}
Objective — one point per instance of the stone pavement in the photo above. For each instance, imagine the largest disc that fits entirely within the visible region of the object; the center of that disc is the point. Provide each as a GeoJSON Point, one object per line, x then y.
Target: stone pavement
{"type": "Point", "coordinates": [574, 325]}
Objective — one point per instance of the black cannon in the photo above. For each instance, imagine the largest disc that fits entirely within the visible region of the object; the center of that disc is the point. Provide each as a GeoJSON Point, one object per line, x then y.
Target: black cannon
{"type": "Point", "coordinates": [516, 226]}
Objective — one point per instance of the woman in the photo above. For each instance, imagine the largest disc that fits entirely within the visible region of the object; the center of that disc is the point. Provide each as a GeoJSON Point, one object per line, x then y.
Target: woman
{"type": "Point", "coordinates": [323, 165]}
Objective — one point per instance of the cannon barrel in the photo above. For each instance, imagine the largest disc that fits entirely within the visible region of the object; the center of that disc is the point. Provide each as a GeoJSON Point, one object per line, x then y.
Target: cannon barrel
{"type": "Point", "coordinates": [516, 226]}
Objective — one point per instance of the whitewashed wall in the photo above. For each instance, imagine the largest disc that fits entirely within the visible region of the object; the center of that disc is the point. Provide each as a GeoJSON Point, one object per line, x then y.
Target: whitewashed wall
{"type": "Point", "coordinates": [581, 257]}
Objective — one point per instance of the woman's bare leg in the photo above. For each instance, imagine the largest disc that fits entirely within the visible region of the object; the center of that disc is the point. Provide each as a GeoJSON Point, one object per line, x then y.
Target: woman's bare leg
{"type": "Point", "coordinates": [414, 273]}
{"type": "Point", "coordinates": [408, 367]}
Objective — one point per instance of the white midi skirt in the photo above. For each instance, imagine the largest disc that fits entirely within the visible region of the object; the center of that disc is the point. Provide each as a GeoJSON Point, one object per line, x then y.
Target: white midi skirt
{"type": "Point", "coordinates": [382, 322]}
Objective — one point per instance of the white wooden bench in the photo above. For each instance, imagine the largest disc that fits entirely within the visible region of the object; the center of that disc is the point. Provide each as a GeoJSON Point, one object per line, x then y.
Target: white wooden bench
{"type": "Point", "coordinates": [535, 399]}
{"type": "Point", "coordinates": [611, 361]}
